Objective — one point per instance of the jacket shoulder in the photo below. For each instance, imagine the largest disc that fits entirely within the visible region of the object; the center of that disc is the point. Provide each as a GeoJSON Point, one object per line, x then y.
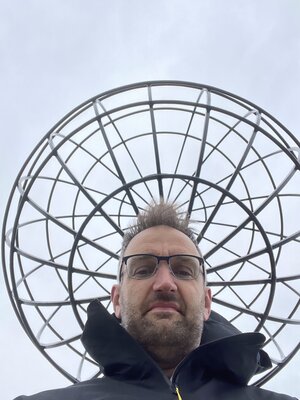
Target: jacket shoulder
{"type": "Point", "coordinates": [77, 391]}
{"type": "Point", "coordinates": [264, 394]}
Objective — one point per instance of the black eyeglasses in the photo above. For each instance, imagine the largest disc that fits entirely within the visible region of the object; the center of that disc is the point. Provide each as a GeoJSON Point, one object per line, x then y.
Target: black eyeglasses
{"type": "Point", "coordinates": [182, 266]}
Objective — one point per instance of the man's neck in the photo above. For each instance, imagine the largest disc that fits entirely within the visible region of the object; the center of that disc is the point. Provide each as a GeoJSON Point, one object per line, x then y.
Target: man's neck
{"type": "Point", "coordinates": [166, 358]}
{"type": "Point", "coordinates": [169, 372]}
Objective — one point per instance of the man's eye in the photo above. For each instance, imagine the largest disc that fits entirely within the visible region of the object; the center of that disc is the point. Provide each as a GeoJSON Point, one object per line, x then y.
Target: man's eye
{"type": "Point", "coordinates": [183, 272]}
{"type": "Point", "coordinates": [141, 271]}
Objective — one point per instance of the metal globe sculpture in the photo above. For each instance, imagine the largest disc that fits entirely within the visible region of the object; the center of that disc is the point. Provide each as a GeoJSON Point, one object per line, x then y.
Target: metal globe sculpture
{"type": "Point", "coordinates": [223, 160]}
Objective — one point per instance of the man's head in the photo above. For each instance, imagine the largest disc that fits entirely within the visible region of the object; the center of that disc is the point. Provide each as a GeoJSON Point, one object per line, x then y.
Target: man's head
{"type": "Point", "coordinates": [162, 303]}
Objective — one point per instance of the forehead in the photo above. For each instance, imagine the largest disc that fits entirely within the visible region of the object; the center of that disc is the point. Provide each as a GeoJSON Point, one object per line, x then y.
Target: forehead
{"type": "Point", "coordinates": [161, 240]}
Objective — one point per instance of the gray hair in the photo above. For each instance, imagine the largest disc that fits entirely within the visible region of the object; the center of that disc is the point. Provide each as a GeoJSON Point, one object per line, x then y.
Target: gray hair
{"type": "Point", "coordinates": [154, 215]}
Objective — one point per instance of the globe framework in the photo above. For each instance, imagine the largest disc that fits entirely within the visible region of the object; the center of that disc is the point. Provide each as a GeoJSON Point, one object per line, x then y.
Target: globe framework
{"type": "Point", "coordinates": [223, 160]}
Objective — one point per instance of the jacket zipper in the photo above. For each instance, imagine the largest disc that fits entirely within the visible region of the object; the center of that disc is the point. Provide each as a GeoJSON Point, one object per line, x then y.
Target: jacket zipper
{"type": "Point", "coordinates": [178, 393]}
{"type": "Point", "coordinates": [174, 386]}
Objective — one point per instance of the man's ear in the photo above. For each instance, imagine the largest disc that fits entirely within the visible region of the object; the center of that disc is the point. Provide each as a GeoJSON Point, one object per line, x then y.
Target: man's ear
{"type": "Point", "coordinates": [207, 303]}
{"type": "Point", "coordinates": [115, 299]}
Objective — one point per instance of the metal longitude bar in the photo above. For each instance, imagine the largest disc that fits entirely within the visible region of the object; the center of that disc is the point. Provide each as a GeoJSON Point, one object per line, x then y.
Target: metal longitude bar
{"type": "Point", "coordinates": [202, 150]}
{"type": "Point", "coordinates": [155, 144]}
{"type": "Point", "coordinates": [230, 183]}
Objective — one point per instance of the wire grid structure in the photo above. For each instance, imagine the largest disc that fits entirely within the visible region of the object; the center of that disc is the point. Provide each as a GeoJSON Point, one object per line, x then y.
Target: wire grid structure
{"type": "Point", "coordinates": [225, 161]}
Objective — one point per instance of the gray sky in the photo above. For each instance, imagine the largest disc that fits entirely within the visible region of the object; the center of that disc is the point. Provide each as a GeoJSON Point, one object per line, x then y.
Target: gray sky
{"type": "Point", "coordinates": [56, 54]}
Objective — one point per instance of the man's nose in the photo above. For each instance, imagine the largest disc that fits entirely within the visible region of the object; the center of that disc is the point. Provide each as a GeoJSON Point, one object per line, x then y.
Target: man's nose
{"type": "Point", "coordinates": [163, 279]}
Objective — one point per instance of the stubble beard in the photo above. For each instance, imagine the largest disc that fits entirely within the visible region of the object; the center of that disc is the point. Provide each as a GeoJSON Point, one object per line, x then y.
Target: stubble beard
{"type": "Point", "coordinates": [166, 337]}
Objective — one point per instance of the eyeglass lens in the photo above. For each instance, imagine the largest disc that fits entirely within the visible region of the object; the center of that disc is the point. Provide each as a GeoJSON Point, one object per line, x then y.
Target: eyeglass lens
{"type": "Point", "coordinates": [144, 266]}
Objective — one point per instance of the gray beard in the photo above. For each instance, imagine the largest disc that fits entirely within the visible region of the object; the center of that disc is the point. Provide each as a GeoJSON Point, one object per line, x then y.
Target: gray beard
{"type": "Point", "coordinates": [166, 341]}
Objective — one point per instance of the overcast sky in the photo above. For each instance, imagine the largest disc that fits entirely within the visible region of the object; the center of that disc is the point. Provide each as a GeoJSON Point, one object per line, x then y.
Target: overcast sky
{"type": "Point", "coordinates": [56, 54]}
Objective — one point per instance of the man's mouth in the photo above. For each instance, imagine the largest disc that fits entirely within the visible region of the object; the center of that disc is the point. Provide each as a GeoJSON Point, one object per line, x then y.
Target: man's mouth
{"type": "Point", "coordinates": [164, 307]}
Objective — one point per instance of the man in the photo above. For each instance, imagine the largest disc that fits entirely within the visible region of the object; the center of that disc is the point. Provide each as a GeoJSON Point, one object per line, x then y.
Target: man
{"type": "Point", "coordinates": [164, 342]}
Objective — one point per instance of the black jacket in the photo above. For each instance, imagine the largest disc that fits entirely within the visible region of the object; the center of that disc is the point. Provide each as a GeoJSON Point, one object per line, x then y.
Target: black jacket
{"type": "Point", "coordinates": [218, 369]}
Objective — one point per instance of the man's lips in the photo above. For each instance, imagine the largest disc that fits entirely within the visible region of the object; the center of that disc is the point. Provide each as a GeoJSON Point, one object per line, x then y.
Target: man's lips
{"type": "Point", "coordinates": [164, 307]}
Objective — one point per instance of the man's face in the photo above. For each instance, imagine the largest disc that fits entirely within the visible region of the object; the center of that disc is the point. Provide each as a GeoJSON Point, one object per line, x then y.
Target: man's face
{"type": "Point", "coordinates": [162, 311]}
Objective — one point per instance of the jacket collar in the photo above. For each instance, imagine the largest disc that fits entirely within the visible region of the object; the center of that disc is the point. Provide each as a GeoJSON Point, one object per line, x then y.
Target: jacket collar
{"type": "Point", "coordinates": [224, 351]}
{"type": "Point", "coordinates": [116, 352]}
{"type": "Point", "coordinates": [238, 354]}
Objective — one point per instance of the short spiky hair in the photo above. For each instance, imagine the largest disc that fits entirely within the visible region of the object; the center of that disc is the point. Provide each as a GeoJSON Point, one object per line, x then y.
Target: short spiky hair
{"type": "Point", "coordinates": [156, 214]}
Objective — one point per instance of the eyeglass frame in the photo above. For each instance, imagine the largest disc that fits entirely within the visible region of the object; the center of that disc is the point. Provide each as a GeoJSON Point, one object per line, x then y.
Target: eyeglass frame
{"type": "Point", "coordinates": [165, 258]}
